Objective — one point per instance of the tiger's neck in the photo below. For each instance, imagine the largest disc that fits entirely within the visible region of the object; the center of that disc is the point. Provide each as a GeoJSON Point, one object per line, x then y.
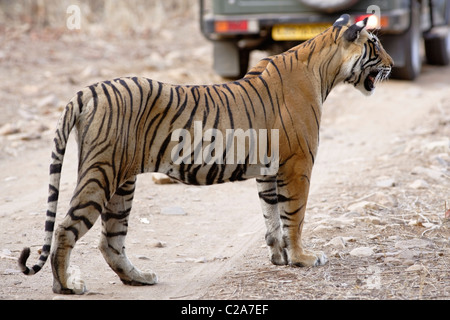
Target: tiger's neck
{"type": "Point", "coordinates": [319, 61]}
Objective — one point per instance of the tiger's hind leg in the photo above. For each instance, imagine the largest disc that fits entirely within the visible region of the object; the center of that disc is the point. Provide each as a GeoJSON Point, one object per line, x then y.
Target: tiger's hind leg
{"type": "Point", "coordinates": [85, 207]}
{"type": "Point", "coordinates": [114, 231]}
{"type": "Point", "coordinates": [267, 192]}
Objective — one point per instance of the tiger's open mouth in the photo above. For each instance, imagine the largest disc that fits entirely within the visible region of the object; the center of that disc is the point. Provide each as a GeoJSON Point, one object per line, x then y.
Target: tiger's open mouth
{"type": "Point", "coordinates": [376, 76]}
{"type": "Point", "coordinates": [371, 79]}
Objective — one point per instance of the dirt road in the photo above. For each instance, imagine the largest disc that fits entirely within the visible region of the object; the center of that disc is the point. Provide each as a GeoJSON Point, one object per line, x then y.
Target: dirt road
{"type": "Point", "coordinates": [380, 187]}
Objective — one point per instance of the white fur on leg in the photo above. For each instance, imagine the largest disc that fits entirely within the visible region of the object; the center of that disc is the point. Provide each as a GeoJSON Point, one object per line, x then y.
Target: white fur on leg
{"type": "Point", "coordinates": [74, 281]}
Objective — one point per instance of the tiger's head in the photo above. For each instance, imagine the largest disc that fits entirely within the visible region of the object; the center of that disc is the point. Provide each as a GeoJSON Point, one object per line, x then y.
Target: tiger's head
{"type": "Point", "coordinates": [366, 62]}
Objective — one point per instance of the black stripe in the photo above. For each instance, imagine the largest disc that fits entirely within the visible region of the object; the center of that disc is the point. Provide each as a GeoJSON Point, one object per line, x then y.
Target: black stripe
{"type": "Point", "coordinates": [36, 268]}
{"type": "Point", "coordinates": [212, 174]}
{"type": "Point", "coordinates": [269, 196]}
{"type": "Point", "coordinates": [164, 114]}
{"type": "Point", "coordinates": [248, 96]}
{"type": "Point", "coordinates": [55, 168]}
{"type": "Point", "coordinates": [229, 107]}
{"type": "Point", "coordinates": [80, 101]}
{"type": "Point", "coordinates": [117, 216]}
{"type": "Point", "coordinates": [115, 234]}
{"type": "Point", "coordinates": [180, 108]}
{"type": "Point", "coordinates": [162, 151]}
{"type": "Point", "coordinates": [294, 212]}
{"type": "Point", "coordinates": [315, 117]}
{"type": "Point", "coordinates": [260, 99]}
{"type": "Point", "coordinates": [84, 219]}
{"type": "Point", "coordinates": [147, 131]}
{"type": "Point", "coordinates": [43, 258]}
{"type": "Point", "coordinates": [124, 192]}
{"type": "Point", "coordinates": [282, 198]}
{"type": "Point", "coordinates": [74, 231]}
{"type": "Point", "coordinates": [278, 71]}
{"type": "Point", "coordinates": [51, 214]}
{"type": "Point", "coordinates": [54, 196]}
{"type": "Point", "coordinates": [49, 226]}
{"type": "Point", "coordinates": [88, 124]}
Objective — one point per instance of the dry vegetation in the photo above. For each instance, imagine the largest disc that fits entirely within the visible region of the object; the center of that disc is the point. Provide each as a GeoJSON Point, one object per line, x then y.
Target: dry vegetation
{"type": "Point", "coordinates": [116, 16]}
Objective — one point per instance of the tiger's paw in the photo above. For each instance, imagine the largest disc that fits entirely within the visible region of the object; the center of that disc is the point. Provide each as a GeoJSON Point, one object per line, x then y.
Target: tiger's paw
{"type": "Point", "coordinates": [308, 259]}
{"type": "Point", "coordinates": [277, 250]}
{"type": "Point", "coordinates": [74, 285]}
{"type": "Point", "coordinates": [141, 279]}
{"type": "Point", "coordinates": [278, 256]}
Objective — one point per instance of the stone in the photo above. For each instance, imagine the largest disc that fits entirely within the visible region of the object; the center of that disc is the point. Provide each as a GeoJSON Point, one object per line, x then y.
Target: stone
{"type": "Point", "coordinates": [50, 101]}
{"type": "Point", "coordinates": [419, 184]}
{"type": "Point", "coordinates": [362, 206]}
{"type": "Point", "coordinates": [362, 252]}
{"type": "Point", "coordinates": [386, 183]}
{"type": "Point", "coordinates": [336, 242]}
{"type": "Point", "coordinates": [391, 260]}
{"type": "Point", "coordinates": [160, 178]}
{"type": "Point", "coordinates": [144, 220]}
{"type": "Point", "coordinates": [407, 254]}
{"type": "Point", "coordinates": [373, 220]}
{"type": "Point", "coordinates": [384, 199]}
{"type": "Point", "coordinates": [158, 244]}
{"type": "Point", "coordinates": [413, 243]}
{"type": "Point", "coordinates": [340, 242]}
{"type": "Point", "coordinates": [431, 173]}
{"type": "Point", "coordinates": [173, 211]}
{"type": "Point", "coordinates": [438, 146]}
{"type": "Point", "coordinates": [9, 129]}
{"type": "Point", "coordinates": [415, 268]}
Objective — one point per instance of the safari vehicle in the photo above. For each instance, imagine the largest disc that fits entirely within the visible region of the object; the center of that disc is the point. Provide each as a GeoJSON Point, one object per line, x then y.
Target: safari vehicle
{"type": "Point", "coordinates": [406, 28]}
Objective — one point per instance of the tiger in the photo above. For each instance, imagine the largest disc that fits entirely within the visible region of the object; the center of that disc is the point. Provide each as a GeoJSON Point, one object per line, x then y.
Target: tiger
{"type": "Point", "coordinates": [126, 126]}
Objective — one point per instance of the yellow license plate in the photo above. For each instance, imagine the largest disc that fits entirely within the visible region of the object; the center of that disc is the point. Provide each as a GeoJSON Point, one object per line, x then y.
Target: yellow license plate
{"type": "Point", "coordinates": [284, 32]}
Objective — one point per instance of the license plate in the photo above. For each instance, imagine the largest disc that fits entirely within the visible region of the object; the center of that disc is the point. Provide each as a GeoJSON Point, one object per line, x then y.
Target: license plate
{"type": "Point", "coordinates": [284, 32]}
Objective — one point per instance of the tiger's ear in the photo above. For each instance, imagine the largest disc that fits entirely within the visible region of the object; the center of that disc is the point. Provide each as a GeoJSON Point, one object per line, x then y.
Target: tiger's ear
{"type": "Point", "coordinates": [342, 21]}
{"type": "Point", "coordinates": [352, 33]}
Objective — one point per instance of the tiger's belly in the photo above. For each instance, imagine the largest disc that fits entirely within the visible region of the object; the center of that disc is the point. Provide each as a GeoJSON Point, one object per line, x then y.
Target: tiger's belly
{"type": "Point", "coordinates": [207, 174]}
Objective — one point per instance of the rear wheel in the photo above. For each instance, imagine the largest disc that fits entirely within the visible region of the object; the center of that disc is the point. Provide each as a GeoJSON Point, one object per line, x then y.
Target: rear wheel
{"type": "Point", "coordinates": [437, 46]}
{"type": "Point", "coordinates": [409, 45]}
{"type": "Point", "coordinates": [230, 61]}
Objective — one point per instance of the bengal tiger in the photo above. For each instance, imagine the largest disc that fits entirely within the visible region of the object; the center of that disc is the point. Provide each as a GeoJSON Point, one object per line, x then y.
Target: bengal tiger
{"type": "Point", "coordinates": [126, 127]}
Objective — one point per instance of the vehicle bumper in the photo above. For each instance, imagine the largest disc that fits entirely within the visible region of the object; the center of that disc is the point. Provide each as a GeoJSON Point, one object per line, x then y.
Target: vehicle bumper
{"type": "Point", "coordinates": [228, 26]}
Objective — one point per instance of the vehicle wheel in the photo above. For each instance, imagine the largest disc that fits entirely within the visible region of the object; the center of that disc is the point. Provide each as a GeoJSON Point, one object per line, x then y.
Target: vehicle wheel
{"type": "Point", "coordinates": [410, 46]}
{"type": "Point", "coordinates": [230, 61]}
{"type": "Point", "coordinates": [437, 47]}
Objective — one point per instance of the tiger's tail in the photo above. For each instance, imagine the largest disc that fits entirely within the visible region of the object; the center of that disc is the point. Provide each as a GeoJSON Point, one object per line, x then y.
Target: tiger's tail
{"type": "Point", "coordinates": [64, 127]}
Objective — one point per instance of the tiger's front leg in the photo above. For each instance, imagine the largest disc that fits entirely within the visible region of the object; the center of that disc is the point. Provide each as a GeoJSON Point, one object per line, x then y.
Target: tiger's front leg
{"type": "Point", "coordinates": [292, 198]}
{"type": "Point", "coordinates": [267, 192]}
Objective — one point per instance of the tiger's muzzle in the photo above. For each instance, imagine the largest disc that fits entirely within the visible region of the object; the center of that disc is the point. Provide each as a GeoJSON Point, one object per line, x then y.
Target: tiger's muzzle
{"type": "Point", "coordinates": [375, 76]}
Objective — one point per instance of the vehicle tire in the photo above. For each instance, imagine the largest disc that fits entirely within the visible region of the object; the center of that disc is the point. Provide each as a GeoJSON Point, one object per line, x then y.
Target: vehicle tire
{"type": "Point", "coordinates": [410, 43]}
{"type": "Point", "coordinates": [230, 61]}
{"type": "Point", "coordinates": [437, 47]}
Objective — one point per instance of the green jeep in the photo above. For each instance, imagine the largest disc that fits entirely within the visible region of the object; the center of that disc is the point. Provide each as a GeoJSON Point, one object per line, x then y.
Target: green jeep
{"type": "Point", "coordinates": [237, 27]}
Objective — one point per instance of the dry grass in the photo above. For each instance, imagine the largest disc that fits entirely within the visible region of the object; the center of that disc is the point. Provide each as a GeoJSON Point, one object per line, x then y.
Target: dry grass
{"type": "Point", "coordinates": [116, 15]}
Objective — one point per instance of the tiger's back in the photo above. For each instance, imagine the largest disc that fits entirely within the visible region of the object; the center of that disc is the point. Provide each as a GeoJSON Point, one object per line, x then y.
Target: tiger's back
{"type": "Point", "coordinates": [155, 119]}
